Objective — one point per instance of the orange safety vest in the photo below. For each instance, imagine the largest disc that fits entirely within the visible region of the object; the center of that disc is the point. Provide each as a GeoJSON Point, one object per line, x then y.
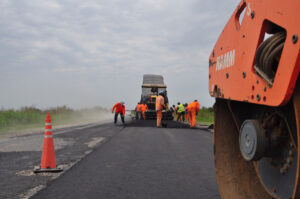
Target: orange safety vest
{"type": "Point", "coordinates": [139, 107]}
{"type": "Point", "coordinates": [197, 106]}
{"type": "Point", "coordinates": [160, 101]}
{"type": "Point", "coordinates": [191, 107]}
{"type": "Point", "coordinates": [119, 108]}
{"type": "Point", "coordinates": [144, 107]}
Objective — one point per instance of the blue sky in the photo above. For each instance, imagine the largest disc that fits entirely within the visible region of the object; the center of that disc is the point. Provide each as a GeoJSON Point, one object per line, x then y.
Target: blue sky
{"type": "Point", "coordinates": [90, 53]}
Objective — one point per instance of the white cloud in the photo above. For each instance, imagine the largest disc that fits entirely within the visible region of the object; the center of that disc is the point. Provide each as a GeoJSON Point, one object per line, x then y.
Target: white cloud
{"type": "Point", "coordinates": [70, 69]}
{"type": "Point", "coordinates": [52, 44]}
{"type": "Point", "coordinates": [45, 4]}
{"type": "Point", "coordinates": [108, 46]}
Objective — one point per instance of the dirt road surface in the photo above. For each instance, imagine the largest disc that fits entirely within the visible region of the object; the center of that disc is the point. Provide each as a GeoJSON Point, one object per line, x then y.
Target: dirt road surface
{"type": "Point", "coordinates": [113, 161]}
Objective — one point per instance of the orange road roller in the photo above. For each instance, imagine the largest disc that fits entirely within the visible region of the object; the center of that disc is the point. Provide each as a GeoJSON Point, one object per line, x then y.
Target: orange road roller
{"type": "Point", "coordinates": [253, 74]}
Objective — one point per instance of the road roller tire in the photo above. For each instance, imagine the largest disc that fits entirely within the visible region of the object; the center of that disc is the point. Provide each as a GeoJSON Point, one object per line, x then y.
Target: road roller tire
{"type": "Point", "coordinates": [296, 104]}
{"type": "Point", "coordinates": [241, 179]}
{"type": "Point", "coordinates": [236, 177]}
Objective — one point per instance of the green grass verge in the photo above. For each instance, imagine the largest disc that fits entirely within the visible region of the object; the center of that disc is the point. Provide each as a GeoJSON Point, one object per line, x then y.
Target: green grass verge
{"type": "Point", "coordinates": [205, 116]}
{"type": "Point", "coordinates": [30, 117]}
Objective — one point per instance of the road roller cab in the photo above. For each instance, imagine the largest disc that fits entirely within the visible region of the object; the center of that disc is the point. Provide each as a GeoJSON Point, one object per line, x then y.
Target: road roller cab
{"type": "Point", "coordinates": [151, 87]}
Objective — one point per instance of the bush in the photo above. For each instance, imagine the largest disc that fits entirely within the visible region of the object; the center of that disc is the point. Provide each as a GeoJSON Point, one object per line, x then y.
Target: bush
{"type": "Point", "coordinates": [28, 117]}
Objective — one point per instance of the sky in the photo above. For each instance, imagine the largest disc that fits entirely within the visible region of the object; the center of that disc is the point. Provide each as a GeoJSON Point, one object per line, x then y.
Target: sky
{"type": "Point", "coordinates": [95, 52]}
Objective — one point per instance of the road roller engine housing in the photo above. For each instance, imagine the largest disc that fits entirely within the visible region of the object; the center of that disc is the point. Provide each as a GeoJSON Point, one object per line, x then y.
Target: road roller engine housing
{"type": "Point", "coordinates": [253, 74]}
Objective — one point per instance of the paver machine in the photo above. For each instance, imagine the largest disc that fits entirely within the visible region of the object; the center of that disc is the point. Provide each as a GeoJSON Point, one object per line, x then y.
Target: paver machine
{"type": "Point", "coordinates": [152, 85]}
{"type": "Point", "coordinates": [253, 74]}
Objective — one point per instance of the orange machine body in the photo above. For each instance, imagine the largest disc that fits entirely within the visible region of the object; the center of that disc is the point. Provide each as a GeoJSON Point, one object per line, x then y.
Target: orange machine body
{"type": "Point", "coordinates": [231, 63]}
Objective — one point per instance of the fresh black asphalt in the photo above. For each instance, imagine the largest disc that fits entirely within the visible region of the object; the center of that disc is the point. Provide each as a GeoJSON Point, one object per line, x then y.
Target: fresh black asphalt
{"type": "Point", "coordinates": [141, 161]}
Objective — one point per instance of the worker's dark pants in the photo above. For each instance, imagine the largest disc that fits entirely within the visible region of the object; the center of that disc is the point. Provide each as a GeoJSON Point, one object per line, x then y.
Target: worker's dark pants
{"type": "Point", "coordinates": [181, 114]}
{"type": "Point", "coordinates": [122, 117]}
{"type": "Point", "coordinates": [138, 115]}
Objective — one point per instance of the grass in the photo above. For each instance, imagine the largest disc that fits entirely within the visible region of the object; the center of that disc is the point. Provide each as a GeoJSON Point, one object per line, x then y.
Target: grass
{"type": "Point", "coordinates": [205, 116]}
{"type": "Point", "coordinates": [31, 117]}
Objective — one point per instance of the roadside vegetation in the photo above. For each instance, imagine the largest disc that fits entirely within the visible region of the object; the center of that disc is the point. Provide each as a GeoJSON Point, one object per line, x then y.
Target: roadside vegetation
{"type": "Point", "coordinates": [31, 117]}
{"type": "Point", "coordinates": [205, 116]}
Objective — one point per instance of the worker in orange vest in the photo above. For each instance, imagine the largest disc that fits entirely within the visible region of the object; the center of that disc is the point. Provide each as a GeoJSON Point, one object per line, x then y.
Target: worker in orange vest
{"type": "Point", "coordinates": [159, 106]}
{"type": "Point", "coordinates": [197, 106]}
{"type": "Point", "coordinates": [186, 112]}
{"type": "Point", "coordinates": [138, 110]}
{"type": "Point", "coordinates": [193, 109]}
{"type": "Point", "coordinates": [119, 108]}
{"type": "Point", "coordinates": [144, 109]}
{"type": "Point", "coordinates": [176, 113]}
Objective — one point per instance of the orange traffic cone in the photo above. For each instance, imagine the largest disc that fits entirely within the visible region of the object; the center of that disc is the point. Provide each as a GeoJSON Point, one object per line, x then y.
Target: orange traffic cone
{"type": "Point", "coordinates": [48, 162]}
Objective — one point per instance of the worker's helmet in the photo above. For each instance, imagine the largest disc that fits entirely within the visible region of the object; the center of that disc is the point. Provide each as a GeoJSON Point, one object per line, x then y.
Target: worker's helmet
{"type": "Point", "coordinates": [178, 103]}
{"type": "Point", "coordinates": [122, 103]}
{"type": "Point", "coordinates": [162, 93]}
{"type": "Point", "coordinates": [195, 100]}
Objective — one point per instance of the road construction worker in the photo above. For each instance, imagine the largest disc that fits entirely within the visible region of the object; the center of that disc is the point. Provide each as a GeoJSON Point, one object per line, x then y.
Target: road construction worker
{"type": "Point", "coordinates": [193, 109]}
{"type": "Point", "coordinates": [144, 109]}
{"type": "Point", "coordinates": [175, 111]}
{"type": "Point", "coordinates": [180, 111]}
{"type": "Point", "coordinates": [159, 106]}
{"type": "Point", "coordinates": [186, 112]}
{"type": "Point", "coordinates": [197, 106]}
{"type": "Point", "coordinates": [138, 110]}
{"type": "Point", "coordinates": [119, 108]}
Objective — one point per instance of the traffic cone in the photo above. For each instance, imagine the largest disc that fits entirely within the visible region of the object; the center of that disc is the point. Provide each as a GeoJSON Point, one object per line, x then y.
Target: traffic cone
{"type": "Point", "coordinates": [48, 161]}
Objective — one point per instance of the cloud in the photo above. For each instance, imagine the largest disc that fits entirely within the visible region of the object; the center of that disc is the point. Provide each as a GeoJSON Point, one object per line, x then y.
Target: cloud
{"type": "Point", "coordinates": [107, 46]}
{"type": "Point", "coordinates": [70, 69]}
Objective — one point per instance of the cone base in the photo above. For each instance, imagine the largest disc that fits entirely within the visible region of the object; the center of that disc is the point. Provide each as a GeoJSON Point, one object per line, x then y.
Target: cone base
{"type": "Point", "coordinates": [51, 170]}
